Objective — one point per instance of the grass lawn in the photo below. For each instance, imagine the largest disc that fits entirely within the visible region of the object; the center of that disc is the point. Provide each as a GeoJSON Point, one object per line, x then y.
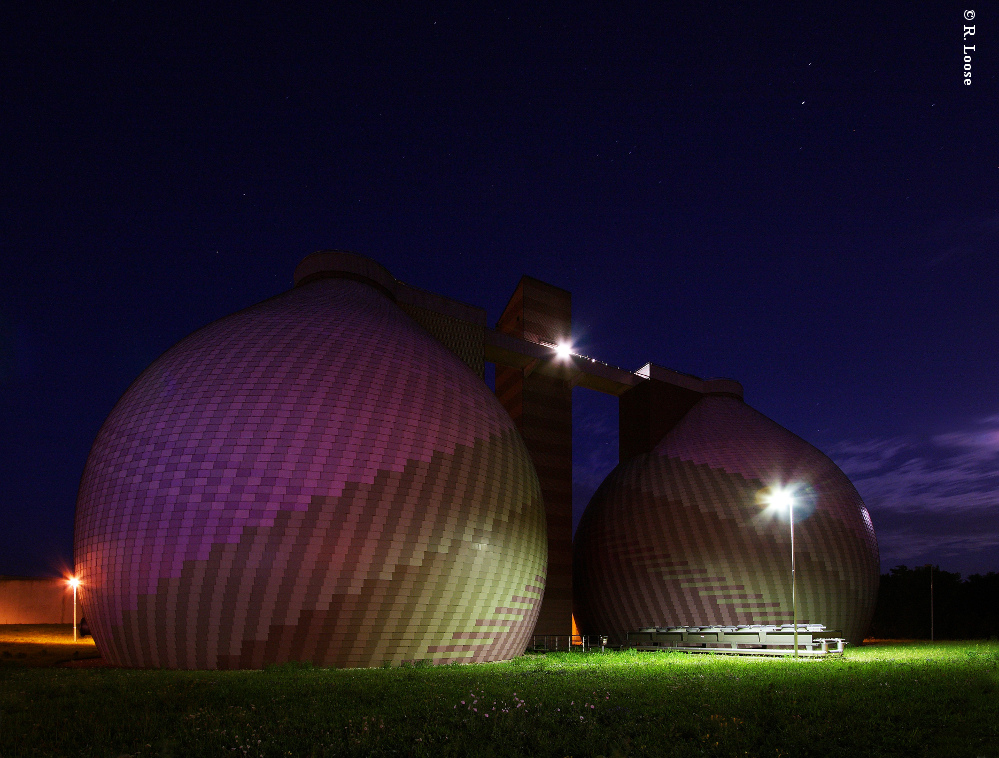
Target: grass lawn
{"type": "Point", "coordinates": [891, 699]}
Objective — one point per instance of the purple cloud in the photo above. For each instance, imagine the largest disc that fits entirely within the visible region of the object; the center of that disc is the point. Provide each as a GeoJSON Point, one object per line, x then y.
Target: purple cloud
{"type": "Point", "coordinates": [932, 500]}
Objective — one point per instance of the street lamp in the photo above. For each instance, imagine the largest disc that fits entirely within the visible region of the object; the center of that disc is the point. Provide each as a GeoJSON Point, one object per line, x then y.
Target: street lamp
{"type": "Point", "coordinates": [74, 583]}
{"type": "Point", "coordinates": [930, 567]}
{"type": "Point", "coordinates": [781, 498]}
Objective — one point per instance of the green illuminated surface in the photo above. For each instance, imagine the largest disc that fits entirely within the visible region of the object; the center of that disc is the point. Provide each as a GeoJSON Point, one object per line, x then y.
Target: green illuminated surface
{"type": "Point", "coordinates": [914, 699]}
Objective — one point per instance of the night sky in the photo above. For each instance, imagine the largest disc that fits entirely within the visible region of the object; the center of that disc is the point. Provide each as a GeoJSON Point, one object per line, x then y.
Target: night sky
{"type": "Point", "coordinates": [801, 198]}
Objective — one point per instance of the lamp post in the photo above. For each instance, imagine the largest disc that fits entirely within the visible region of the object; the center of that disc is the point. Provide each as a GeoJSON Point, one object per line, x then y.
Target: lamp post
{"type": "Point", "coordinates": [794, 594]}
{"type": "Point", "coordinates": [780, 498]}
{"type": "Point", "coordinates": [930, 567]}
{"type": "Point", "coordinates": [789, 498]}
{"type": "Point", "coordinates": [74, 583]}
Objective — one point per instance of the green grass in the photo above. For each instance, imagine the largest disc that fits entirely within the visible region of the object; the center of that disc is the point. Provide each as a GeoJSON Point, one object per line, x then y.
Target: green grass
{"type": "Point", "coordinates": [886, 699]}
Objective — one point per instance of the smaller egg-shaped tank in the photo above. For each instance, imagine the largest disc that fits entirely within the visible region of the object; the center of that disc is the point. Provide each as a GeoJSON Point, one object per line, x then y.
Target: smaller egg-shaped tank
{"type": "Point", "coordinates": [313, 478]}
{"type": "Point", "coordinates": [688, 534]}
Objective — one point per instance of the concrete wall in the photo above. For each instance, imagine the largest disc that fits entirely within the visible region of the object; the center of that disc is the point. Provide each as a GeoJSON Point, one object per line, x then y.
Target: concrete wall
{"type": "Point", "coordinates": [30, 600]}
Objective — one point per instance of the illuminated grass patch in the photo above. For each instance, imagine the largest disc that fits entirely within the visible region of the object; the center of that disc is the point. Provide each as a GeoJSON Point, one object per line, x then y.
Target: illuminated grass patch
{"type": "Point", "coordinates": [888, 699]}
{"type": "Point", "coordinates": [42, 645]}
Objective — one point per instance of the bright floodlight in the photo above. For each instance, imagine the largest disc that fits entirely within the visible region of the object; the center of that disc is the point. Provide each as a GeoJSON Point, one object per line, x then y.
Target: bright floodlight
{"type": "Point", "coordinates": [781, 499]}
{"type": "Point", "coordinates": [73, 582]}
{"type": "Point", "coordinates": [563, 350]}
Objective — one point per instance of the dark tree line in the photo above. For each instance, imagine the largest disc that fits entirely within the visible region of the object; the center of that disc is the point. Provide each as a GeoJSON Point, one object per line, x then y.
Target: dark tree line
{"type": "Point", "coordinates": [962, 609]}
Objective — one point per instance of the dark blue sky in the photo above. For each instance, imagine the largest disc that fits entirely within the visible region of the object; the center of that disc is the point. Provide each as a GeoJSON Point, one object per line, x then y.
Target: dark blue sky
{"type": "Point", "coordinates": [803, 199]}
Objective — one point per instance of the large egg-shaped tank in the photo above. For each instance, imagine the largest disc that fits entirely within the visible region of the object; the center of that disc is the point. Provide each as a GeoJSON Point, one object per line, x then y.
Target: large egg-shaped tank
{"type": "Point", "coordinates": [313, 478]}
{"type": "Point", "coordinates": [687, 535]}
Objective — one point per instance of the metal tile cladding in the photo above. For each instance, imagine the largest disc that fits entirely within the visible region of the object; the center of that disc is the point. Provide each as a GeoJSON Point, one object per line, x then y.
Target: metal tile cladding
{"type": "Point", "coordinates": [313, 478]}
{"type": "Point", "coordinates": [679, 536]}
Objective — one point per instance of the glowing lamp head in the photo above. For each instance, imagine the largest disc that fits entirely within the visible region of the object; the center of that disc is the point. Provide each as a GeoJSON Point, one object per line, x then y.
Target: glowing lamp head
{"type": "Point", "coordinates": [782, 499]}
{"type": "Point", "coordinates": [563, 350]}
{"type": "Point", "coordinates": [73, 582]}
{"type": "Point", "coordinates": [798, 499]}
{"type": "Point", "coordinates": [777, 499]}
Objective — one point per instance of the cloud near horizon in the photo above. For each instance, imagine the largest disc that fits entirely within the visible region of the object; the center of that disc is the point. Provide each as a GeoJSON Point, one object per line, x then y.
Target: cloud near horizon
{"type": "Point", "coordinates": [932, 500]}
